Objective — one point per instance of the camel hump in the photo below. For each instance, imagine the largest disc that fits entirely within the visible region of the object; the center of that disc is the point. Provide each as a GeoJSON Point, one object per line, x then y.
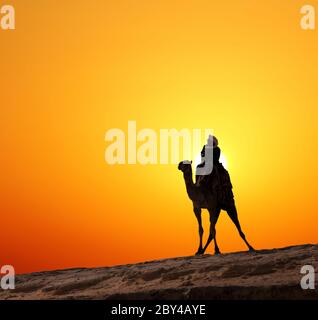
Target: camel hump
{"type": "Point", "coordinates": [224, 177]}
{"type": "Point", "coordinates": [219, 180]}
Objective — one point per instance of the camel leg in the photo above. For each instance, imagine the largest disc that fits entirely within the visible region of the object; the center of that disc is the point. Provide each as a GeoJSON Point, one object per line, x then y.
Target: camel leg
{"type": "Point", "coordinates": [216, 247]}
{"type": "Point", "coordinates": [232, 212]}
{"type": "Point", "coordinates": [214, 215]}
{"type": "Point", "coordinates": [197, 212]}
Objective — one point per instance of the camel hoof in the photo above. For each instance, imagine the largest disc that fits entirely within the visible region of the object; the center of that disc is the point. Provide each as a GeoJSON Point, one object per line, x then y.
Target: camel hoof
{"type": "Point", "coordinates": [217, 253]}
{"type": "Point", "coordinates": [199, 252]}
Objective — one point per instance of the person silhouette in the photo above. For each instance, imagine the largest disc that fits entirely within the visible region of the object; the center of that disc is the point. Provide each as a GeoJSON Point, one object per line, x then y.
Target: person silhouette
{"type": "Point", "coordinates": [203, 179]}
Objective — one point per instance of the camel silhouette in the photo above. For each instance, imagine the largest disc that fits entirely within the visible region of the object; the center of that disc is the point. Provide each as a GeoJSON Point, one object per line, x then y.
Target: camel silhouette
{"type": "Point", "coordinates": [206, 197]}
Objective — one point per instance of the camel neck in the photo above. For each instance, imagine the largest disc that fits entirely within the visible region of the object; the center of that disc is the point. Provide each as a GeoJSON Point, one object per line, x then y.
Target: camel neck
{"type": "Point", "coordinates": [189, 184]}
{"type": "Point", "coordinates": [188, 178]}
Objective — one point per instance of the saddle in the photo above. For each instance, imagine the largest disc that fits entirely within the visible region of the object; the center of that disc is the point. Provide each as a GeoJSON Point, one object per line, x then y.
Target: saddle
{"type": "Point", "coordinates": [219, 182]}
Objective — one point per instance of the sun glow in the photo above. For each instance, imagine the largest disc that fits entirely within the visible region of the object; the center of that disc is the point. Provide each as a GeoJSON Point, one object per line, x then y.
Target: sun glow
{"type": "Point", "coordinates": [249, 73]}
{"type": "Point", "coordinates": [223, 160]}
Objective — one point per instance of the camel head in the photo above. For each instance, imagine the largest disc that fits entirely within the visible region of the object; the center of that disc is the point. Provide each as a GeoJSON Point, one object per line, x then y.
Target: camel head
{"type": "Point", "coordinates": [185, 166]}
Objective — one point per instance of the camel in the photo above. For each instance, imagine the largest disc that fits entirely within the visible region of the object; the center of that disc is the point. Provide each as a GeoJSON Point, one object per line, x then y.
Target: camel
{"type": "Point", "coordinates": [208, 200]}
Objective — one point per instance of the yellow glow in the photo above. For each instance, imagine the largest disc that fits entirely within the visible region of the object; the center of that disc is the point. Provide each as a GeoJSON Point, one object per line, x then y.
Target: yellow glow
{"type": "Point", "coordinates": [71, 71]}
{"type": "Point", "coordinates": [223, 160]}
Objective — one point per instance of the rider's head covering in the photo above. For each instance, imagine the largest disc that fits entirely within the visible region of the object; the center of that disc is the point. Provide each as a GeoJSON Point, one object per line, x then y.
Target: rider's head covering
{"type": "Point", "coordinates": [212, 141]}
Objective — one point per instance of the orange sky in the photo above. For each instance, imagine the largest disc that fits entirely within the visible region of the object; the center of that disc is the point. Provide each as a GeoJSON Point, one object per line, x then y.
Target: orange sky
{"type": "Point", "coordinates": [71, 71]}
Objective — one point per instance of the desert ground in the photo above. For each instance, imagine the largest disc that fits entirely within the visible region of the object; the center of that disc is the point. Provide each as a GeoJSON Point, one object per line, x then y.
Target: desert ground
{"type": "Point", "coordinates": [265, 274]}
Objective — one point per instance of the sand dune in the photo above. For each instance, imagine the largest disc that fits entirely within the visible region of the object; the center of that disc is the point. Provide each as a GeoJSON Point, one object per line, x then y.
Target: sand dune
{"type": "Point", "coordinates": [267, 274]}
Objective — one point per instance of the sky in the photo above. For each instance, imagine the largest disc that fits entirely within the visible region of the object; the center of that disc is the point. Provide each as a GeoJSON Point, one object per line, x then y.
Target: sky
{"type": "Point", "coordinates": [72, 71]}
